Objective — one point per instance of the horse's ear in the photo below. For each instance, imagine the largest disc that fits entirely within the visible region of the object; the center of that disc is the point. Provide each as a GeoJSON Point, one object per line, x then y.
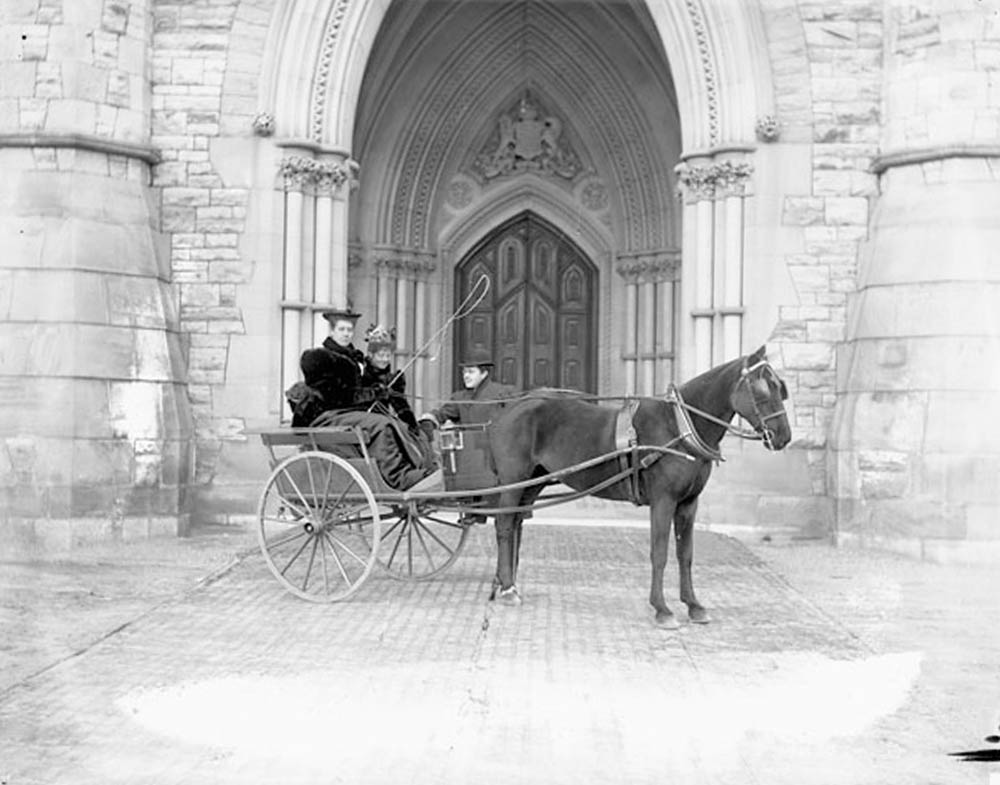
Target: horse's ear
{"type": "Point", "coordinates": [759, 355]}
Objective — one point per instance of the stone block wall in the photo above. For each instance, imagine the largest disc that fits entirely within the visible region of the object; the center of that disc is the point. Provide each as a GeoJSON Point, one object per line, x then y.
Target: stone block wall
{"type": "Point", "coordinates": [94, 423]}
{"type": "Point", "coordinates": [914, 437]}
{"type": "Point", "coordinates": [206, 75]}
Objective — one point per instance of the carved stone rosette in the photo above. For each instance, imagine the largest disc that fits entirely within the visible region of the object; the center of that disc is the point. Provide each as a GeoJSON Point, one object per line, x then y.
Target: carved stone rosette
{"type": "Point", "coordinates": [299, 172]}
{"type": "Point", "coordinates": [651, 267]}
{"type": "Point", "coordinates": [715, 180]}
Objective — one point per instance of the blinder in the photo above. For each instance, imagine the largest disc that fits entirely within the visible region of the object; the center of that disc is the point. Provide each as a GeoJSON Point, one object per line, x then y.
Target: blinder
{"type": "Point", "coordinates": [764, 368]}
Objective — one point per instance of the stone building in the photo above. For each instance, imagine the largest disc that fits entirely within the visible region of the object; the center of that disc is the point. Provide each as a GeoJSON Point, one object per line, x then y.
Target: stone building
{"type": "Point", "coordinates": [650, 188]}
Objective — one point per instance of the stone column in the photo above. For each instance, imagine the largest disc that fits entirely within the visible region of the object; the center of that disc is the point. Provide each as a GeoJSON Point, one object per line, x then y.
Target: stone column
{"type": "Point", "coordinates": [315, 246]}
{"type": "Point", "coordinates": [95, 426]}
{"type": "Point", "coordinates": [915, 442]}
{"type": "Point", "coordinates": [714, 190]}
{"type": "Point", "coordinates": [649, 315]}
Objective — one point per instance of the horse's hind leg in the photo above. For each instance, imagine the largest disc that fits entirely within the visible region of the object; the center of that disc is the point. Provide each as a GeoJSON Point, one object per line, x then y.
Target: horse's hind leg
{"type": "Point", "coordinates": [684, 532]}
{"type": "Point", "coordinates": [661, 512]}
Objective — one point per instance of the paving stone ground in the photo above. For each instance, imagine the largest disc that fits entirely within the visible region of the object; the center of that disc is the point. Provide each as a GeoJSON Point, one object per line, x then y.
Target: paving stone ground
{"type": "Point", "coordinates": [183, 661]}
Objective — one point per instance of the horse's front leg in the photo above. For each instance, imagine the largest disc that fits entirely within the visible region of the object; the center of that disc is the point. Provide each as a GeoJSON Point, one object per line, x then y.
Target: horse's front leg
{"type": "Point", "coordinates": [504, 589]}
{"type": "Point", "coordinates": [661, 513]}
{"type": "Point", "coordinates": [684, 532]}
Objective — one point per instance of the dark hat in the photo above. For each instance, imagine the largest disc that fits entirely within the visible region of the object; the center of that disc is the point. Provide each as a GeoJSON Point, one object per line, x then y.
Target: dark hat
{"type": "Point", "coordinates": [340, 313]}
{"type": "Point", "coordinates": [477, 357]}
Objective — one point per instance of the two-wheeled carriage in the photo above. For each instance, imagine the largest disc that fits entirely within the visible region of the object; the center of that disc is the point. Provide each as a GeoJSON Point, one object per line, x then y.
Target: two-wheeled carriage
{"type": "Point", "coordinates": [327, 519]}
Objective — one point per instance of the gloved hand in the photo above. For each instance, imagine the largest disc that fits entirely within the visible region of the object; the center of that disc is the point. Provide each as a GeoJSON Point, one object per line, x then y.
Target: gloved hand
{"type": "Point", "coordinates": [427, 426]}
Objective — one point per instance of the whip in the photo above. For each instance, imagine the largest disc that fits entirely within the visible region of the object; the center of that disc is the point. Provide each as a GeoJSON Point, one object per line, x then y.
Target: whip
{"type": "Point", "coordinates": [467, 306]}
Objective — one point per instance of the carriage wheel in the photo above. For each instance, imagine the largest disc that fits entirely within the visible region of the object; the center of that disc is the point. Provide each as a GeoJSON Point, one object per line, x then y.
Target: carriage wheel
{"type": "Point", "coordinates": [319, 526]}
{"type": "Point", "coordinates": [419, 542]}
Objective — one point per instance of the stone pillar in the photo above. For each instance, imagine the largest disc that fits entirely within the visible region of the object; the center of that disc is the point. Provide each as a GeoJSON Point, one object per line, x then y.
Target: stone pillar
{"type": "Point", "coordinates": [649, 316]}
{"type": "Point", "coordinates": [714, 191]}
{"type": "Point", "coordinates": [95, 426]}
{"type": "Point", "coordinates": [404, 294]}
{"type": "Point", "coordinates": [915, 442]}
{"type": "Point", "coordinates": [315, 246]}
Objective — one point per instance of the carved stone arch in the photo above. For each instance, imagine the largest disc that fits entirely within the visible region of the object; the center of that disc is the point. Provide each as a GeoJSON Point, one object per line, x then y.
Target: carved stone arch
{"type": "Point", "coordinates": [548, 202]}
{"type": "Point", "coordinates": [318, 54]}
{"type": "Point", "coordinates": [718, 56]}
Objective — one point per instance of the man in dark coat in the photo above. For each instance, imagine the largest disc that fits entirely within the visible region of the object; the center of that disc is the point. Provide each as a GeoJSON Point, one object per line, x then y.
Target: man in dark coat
{"type": "Point", "coordinates": [477, 404]}
{"type": "Point", "coordinates": [480, 400]}
{"type": "Point", "coordinates": [333, 375]}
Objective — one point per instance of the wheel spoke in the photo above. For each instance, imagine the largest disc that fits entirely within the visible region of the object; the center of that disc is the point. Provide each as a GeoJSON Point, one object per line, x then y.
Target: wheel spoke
{"type": "Point", "coordinates": [286, 537]}
{"type": "Point", "coordinates": [326, 490]}
{"type": "Point", "coordinates": [295, 486]}
{"type": "Point", "coordinates": [398, 522]}
{"type": "Point", "coordinates": [336, 558]}
{"type": "Point", "coordinates": [399, 538]}
{"type": "Point", "coordinates": [420, 538]}
{"type": "Point", "coordinates": [295, 556]}
{"type": "Point", "coordinates": [309, 567]}
{"type": "Point", "coordinates": [343, 545]}
{"type": "Point", "coordinates": [326, 570]}
{"type": "Point", "coordinates": [443, 522]}
{"type": "Point", "coordinates": [430, 533]}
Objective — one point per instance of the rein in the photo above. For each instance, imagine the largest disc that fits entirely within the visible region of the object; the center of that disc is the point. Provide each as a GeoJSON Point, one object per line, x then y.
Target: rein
{"type": "Point", "coordinates": [689, 436]}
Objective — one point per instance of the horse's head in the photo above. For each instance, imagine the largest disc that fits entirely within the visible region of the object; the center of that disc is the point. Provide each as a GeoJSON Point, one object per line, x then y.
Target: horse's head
{"type": "Point", "coordinates": [758, 398]}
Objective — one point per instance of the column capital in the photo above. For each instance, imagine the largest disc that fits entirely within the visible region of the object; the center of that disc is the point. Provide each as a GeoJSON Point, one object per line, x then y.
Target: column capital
{"type": "Point", "coordinates": [649, 267]}
{"type": "Point", "coordinates": [714, 180]}
{"type": "Point", "coordinates": [406, 265]}
{"type": "Point", "coordinates": [299, 172]}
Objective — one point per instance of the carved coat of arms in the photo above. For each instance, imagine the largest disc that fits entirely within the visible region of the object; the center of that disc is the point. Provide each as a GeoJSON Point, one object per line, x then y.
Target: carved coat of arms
{"type": "Point", "coordinates": [528, 143]}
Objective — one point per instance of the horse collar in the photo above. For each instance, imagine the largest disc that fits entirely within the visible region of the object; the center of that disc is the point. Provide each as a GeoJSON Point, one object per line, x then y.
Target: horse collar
{"type": "Point", "coordinates": [686, 431]}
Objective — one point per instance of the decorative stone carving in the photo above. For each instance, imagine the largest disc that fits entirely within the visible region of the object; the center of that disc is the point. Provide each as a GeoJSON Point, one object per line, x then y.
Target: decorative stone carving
{"type": "Point", "coordinates": [594, 196]}
{"type": "Point", "coordinates": [298, 171]}
{"type": "Point", "coordinates": [263, 124]}
{"type": "Point", "coordinates": [331, 34]}
{"type": "Point", "coordinates": [707, 67]}
{"type": "Point", "coordinates": [460, 194]}
{"type": "Point", "coordinates": [725, 178]}
{"type": "Point", "coordinates": [768, 128]}
{"type": "Point", "coordinates": [526, 143]}
{"type": "Point", "coordinates": [406, 267]}
{"type": "Point", "coordinates": [649, 267]}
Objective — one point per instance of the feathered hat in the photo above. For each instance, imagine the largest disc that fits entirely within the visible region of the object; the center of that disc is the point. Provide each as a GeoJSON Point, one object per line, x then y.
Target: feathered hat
{"type": "Point", "coordinates": [378, 337]}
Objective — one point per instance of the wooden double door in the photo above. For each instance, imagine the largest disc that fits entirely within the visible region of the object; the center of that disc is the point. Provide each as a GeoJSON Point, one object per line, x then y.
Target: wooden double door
{"type": "Point", "coordinates": [538, 319]}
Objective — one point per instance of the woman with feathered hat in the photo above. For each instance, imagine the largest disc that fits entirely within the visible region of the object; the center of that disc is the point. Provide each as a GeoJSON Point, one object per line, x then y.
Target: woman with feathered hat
{"type": "Point", "coordinates": [379, 375]}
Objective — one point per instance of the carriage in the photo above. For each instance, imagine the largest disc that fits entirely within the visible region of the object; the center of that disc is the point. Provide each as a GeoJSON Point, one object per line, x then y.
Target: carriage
{"type": "Point", "coordinates": [327, 518]}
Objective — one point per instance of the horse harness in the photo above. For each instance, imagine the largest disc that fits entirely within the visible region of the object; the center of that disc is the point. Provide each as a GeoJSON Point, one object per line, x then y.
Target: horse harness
{"type": "Point", "coordinates": [695, 448]}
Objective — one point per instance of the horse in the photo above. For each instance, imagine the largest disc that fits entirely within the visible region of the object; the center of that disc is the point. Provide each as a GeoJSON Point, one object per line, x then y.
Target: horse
{"type": "Point", "coordinates": [677, 440]}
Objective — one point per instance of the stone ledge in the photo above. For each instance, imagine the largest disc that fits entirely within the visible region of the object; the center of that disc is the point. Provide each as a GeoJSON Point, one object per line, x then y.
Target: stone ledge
{"type": "Point", "coordinates": [922, 155]}
{"type": "Point", "coordinates": [99, 144]}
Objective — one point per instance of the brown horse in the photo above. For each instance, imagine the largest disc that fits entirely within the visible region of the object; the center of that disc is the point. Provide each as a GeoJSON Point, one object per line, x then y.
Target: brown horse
{"type": "Point", "coordinates": [546, 434]}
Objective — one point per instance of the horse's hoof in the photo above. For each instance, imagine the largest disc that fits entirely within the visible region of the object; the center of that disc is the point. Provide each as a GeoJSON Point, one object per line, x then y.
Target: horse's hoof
{"type": "Point", "coordinates": [667, 621]}
{"type": "Point", "coordinates": [698, 615]}
{"type": "Point", "coordinates": [509, 597]}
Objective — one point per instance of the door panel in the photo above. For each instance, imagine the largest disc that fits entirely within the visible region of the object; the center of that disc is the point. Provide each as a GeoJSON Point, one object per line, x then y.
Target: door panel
{"type": "Point", "coordinates": [539, 318]}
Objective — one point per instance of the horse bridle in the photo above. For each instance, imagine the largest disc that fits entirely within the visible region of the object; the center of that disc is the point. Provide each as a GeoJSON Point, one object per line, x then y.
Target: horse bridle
{"type": "Point", "coordinates": [763, 433]}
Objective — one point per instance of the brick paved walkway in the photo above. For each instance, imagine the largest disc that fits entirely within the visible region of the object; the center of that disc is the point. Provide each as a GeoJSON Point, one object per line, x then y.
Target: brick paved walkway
{"type": "Point", "coordinates": [804, 676]}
